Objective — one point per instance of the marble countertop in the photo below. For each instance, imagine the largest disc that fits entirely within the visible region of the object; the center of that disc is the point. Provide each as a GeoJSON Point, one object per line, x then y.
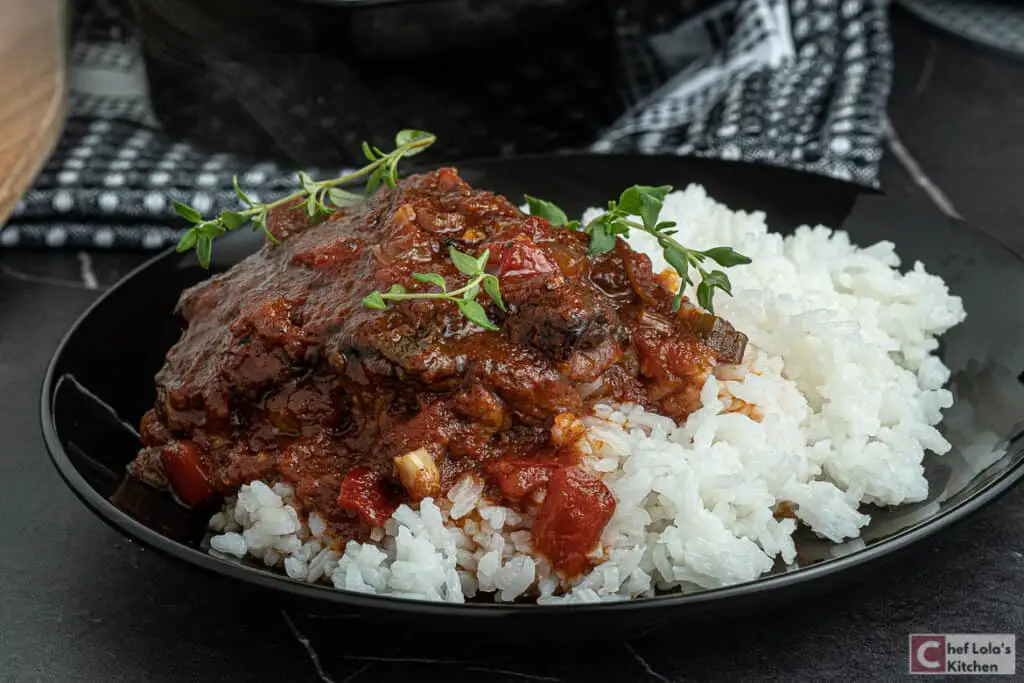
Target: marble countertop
{"type": "Point", "coordinates": [79, 602]}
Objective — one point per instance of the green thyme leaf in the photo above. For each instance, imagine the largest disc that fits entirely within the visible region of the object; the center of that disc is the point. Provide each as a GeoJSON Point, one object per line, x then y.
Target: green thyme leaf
{"type": "Point", "coordinates": [727, 256]}
{"type": "Point", "coordinates": [644, 201]}
{"type": "Point", "coordinates": [677, 260]}
{"type": "Point", "coordinates": [717, 278]}
{"type": "Point", "coordinates": [259, 222]}
{"type": "Point", "coordinates": [306, 182]}
{"type": "Point", "coordinates": [238, 191]}
{"type": "Point", "coordinates": [343, 198]}
{"type": "Point", "coordinates": [431, 279]}
{"type": "Point", "coordinates": [374, 181]}
{"type": "Point", "coordinates": [374, 300]}
{"type": "Point", "coordinates": [602, 236]}
{"type": "Point", "coordinates": [548, 210]}
{"type": "Point", "coordinates": [481, 261]}
{"type": "Point", "coordinates": [493, 289]}
{"type": "Point", "coordinates": [311, 206]}
{"type": "Point", "coordinates": [232, 220]}
{"type": "Point", "coordinates": [368, 153]}
{"type": "Point", "coordinates": [204, 250]}
{"type": "Point", "coordinates": [210, 229]}
{"type": "Point", "coordinates": [409, 136]}
{"type": "Point", "coordinates": [705, 292]}
{"type": "Point", "coordinates": [187, 212]}
{"type": "Point", "coordinates": [390, 174]}
{"type": "Point", "coordinates": [188, 240]}
{"type": "Point", "coordinates": [466, 264]}
{"type": "Point", "coordinates": [677, 301]}
{"type": "Point", "coordinates": [475, 313]}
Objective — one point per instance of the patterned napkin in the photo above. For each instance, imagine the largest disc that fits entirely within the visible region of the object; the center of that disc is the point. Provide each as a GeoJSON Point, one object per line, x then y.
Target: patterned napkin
{"type": "Point", "coordinates": [801, 84]}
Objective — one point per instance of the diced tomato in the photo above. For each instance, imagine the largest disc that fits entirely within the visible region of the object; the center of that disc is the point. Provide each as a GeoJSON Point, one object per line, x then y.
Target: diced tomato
{"type": "Point", "coordinates": [521, 259]}
{"type": "Point", "coordinates": [577, 508]}
{"type": "Point", "coordinates": [365, 493]}
{"type": "Point", "coordinates": [184, 471]}
{"type": "Point", "coordinates": [664, 356]}
{"type": "Point", "coordinates": [518, 477]}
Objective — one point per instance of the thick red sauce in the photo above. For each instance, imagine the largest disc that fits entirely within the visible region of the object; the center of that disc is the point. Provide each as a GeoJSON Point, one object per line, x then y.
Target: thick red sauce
{"type": "Point", "coordinates": [282, 374]}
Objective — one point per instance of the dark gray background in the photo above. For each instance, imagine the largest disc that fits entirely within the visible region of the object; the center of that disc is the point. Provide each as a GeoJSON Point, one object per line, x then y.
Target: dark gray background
{"type": "Point", "coordinates": [78, 602]}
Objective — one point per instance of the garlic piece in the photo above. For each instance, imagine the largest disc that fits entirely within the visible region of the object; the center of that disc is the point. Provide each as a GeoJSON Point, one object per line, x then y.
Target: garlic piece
{"type": "Point", "coordinates": [567, 429]}
{"type": "Point", "coordinates": [419, 474]}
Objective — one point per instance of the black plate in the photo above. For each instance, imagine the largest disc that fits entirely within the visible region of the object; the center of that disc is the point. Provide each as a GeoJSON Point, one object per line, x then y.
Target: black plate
{"type": "Point", "coordinates": [101, 381]}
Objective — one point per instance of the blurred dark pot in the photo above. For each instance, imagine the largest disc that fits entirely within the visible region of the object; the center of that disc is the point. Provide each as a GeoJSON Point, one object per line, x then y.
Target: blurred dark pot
{"type": "Point", "coordinates": [304, 82]}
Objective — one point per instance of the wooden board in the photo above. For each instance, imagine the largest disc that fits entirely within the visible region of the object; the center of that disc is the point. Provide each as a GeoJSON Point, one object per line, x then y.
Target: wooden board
{"type": "Point", "coordinates": [33, 87]}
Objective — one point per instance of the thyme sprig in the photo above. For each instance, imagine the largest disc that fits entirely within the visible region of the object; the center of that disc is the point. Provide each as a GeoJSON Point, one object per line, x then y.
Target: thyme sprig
{"type": "Point", "coordinates": [318, 197]}
{"type": "Point", "coordinates": [645, 202]}
{"type": "Point", "coordinates": [464, 297]}
{"type": "Point", "coordinates": [323, 197]}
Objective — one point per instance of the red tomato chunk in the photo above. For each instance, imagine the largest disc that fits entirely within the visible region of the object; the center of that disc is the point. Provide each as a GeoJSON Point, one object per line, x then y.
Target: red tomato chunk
{"type": "Point", "coordinates": [365, 493]}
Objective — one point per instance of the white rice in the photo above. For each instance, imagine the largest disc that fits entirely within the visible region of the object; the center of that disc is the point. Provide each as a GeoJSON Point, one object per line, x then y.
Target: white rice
{"type": "Point", "coordinates": [841, 369]}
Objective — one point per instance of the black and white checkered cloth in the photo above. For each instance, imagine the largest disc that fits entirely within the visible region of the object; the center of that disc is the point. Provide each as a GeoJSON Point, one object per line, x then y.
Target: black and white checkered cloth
{"type": "Point", "coordinates": [801, 83]}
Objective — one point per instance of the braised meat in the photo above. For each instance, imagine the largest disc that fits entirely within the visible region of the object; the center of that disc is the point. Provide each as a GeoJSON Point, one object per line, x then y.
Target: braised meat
{"type": "Point", "coordinates": [283, 374]}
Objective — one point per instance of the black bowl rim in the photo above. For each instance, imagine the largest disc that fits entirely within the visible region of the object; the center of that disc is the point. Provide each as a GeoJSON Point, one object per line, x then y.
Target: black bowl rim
{"type": "Point", "coordinates": [135, 530]}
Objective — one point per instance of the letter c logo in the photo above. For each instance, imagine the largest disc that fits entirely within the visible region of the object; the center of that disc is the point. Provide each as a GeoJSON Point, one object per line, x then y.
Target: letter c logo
{"type": "Point", "coordinates": [922, 657]}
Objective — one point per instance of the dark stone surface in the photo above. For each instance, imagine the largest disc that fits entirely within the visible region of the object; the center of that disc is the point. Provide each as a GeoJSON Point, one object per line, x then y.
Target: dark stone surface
{"type": "Point", "coordinates": [78, 602]}
{"type": "Point", "coordinates": [958, 110]}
